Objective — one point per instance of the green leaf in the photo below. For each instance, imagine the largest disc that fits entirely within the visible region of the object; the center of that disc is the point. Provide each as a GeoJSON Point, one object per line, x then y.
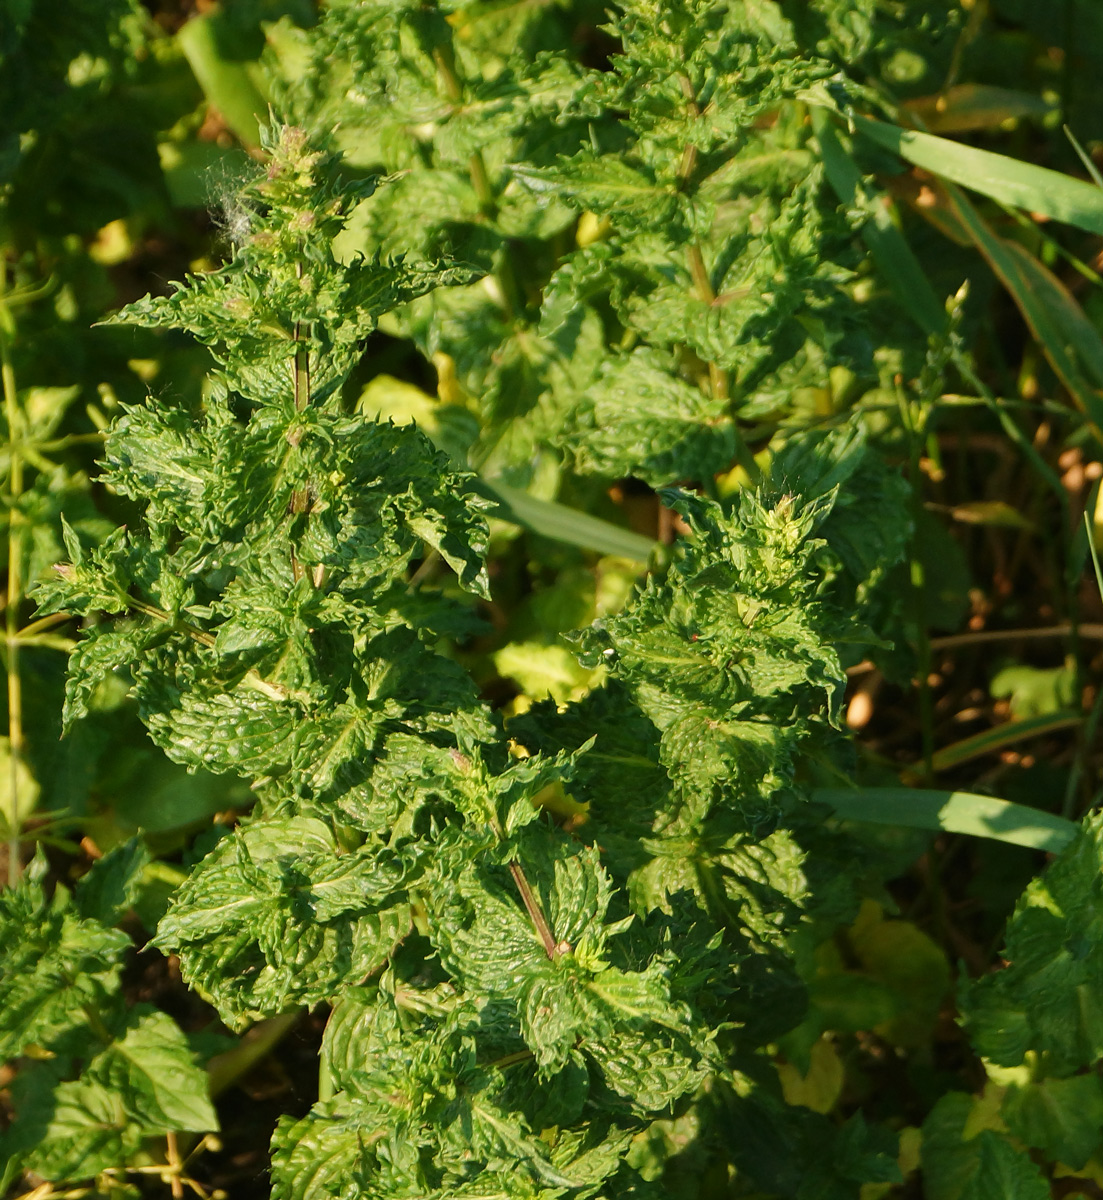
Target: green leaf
{"type": "Point", "coordinates": [984, 1166]}
{"type": "Point", "coordinates": [69, 1131]}
{"type": "Point", "coordinates": [1062, 1117]}
{"type": "Point", "coordinates": [245, 731]}
{"type": "Point", "coordinates": [1046, 1001]}
{"type": "Point", "coordinates": [153, 1071]}
{"type": "Point", "coordinates": [390, 1125]}
{"type": "Point", "coordinates": [902, 957]}
{"type": "Point", "coordinates": [650, 1073]}
{"type": "Point", "coordinates": [738, 594]}
{"type": "Point", "coordinates": [55, 968]}
{"type": "Point", "coordinates": [609, 187]}
{"type": "Point", "coordinates": [567, 994]}
{"type": "Point", "coordinates": [276, 917]}
{"type": "Point", "coordinates": [790, 1151]}
{"type": "Point", "coordinates": [312, 1158]}
{"type": "Point", "coordinates": [102, 650]}
{"type": "Point", "coordinates": [143, 1083]}
{"type": "Point", "coordinates": [638, 418]}
{"type": "Point", "coordinates": [1035, 189]}
{"type": "Point", "coordinates": [954, 812]}
{"type": "Point", "coordinates": [90, 582]}
{"type": "Point", "coordinates": [1034, 691]}
{"type": "Point", "coordinates": [887, 245]}
{"type": "Point", "coordinates": [113, 883]}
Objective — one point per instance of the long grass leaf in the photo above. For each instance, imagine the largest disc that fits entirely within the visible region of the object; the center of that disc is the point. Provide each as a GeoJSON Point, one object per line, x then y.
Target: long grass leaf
{"type": "Point", "coordinates": [952, 812]}
{"type": "Point", "coordinates": [1008, 734]}
{"type": "Point", "coordinates": [888, 246]}
{"type": "Point", "coordinates": [1094, 554]}
{"type": "Point", "coordinates": [1085, 157]}
{"type": "Point", "coordinates": [1068, 339]}
{"type": "Point", "coordinates": [969, 106]}
{"type": "Point", "coordinates": [1036, 189]}
{"type": "Point", "coordinates": [568, 524]}
{"type": "Point", "coordinates": [226, 83]}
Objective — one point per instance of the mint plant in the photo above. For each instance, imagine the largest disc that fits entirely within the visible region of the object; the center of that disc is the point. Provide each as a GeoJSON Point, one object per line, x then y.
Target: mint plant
{"type": "Point", "coordinates": [516, 998]}
{"type": "Point", "coordinates": [609, 945]}
{"type": "Point", "coordinates": [700, 299]}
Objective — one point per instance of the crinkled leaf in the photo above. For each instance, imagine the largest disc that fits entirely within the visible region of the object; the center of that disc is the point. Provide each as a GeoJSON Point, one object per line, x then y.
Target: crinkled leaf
{"type": "Point", "coordinates": [276, 916]}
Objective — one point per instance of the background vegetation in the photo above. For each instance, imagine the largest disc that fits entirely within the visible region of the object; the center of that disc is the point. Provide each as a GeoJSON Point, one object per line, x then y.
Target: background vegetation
{"type": "Point", "coordinates": [668, 286]}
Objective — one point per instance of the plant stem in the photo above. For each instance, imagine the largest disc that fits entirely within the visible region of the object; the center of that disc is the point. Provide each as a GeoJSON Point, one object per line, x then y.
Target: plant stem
{"type": "Point", "coordinates": [300, 371]}
{"type": "Point", "coordinates": [302, 374]}
{"type": "Point", "coordinates": [536, 913]}
{"type": "Point", "coordinates": [41, 625]}
{"type": "Point", "coordinates": [913, 423]}
{"type": "Point", "coordinates": [718, 378]}
{"type": "Point", "coordinates": [13, 417]}
{"type": "Point", "coordinates": [95, 1022]}
{"type": "Point", "coordinates": [172, 1154]}
{"type": "Point", "coordinates": [252, 678]}
{"type": "Point", "coordinates": [480, 181]}
{"type": "Point", "coordinates": [224, 1070]}
{"type": "Point", "coordinates": [529, 898]}
{"type": "Point", "coordinates": [511, 1060]}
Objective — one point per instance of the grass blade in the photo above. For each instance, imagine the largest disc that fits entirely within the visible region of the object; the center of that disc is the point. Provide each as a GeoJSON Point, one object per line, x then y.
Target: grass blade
{"type": "Point", "coordinates": [1022, 185]}
{"type": "Point", "coordinates": [1070, 342]}
{"type": "Point", "coordinates": [1094, 553]}
{"type": "Point", "coordinates": [226, 83]}
{"type": "Point", "coordinates": [891, 252]}
{"type": "Point", "coordinates": [1002, 736]}
{"type": "Point", "coordinates": [969, 106]}
{"type": "Point", "coordinates": [1084, 157]}
{"type": "Point", "coordinates": [952, 812]}
{"type": "Point", "coordinates": [568, 524]}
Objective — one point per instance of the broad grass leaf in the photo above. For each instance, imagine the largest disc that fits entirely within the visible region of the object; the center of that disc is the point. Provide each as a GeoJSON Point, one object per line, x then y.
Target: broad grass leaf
{"type": "Point", "coordinates": [1009, 180]}
{"type": "Point", "coordinates": [890, 250]}
{"type": "Point", "coordinates": [1070, 342]}
{"type": "Point", "coordinates": [226, 82]}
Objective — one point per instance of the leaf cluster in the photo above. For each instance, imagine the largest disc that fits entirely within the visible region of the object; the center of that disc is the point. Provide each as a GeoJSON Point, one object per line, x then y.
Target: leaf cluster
{"type": "Point", "coordinates": [542, 999]}
{"type": "Point", "coordinates": [102, 1077]}
{"type": "Point", "coordinates": [662, 262]}
{"type": "Point", "coordinates": [604, 944]}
